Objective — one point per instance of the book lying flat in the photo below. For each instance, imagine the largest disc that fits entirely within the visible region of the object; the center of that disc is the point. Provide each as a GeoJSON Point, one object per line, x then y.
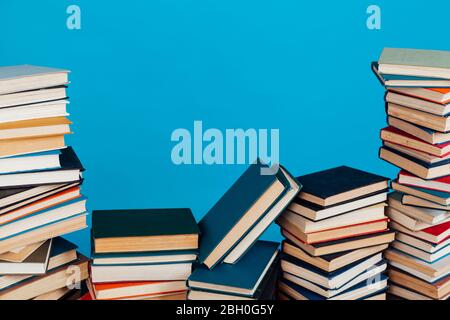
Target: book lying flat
{"type": "Point", "coordinates": [434, 234]}
{"type": "Point", "coordinates": [334, 261]}
{"type": "Point", "coordinates": [54, 214]}
{"type": "Point", "coordinates": [437, 269]}
{"type": "Point", "coordinates": [31, 97]}
{"type": "Point", "coordinates": [45, 232]}
{"type": "Point", "coordinates": [413, 62]}
{"type": "Point", "coordinates": [315, 212]}
{"type": "Point", "coordinates": [437, 290]}
{"type": "Point", "coordinates": [329, 280]}
{"type": "Point", "coordinates": [15, 147]}
{"type": "Point", "coordinates": [20, 254]}
{"type": "Point", "coordinates": [135, 290]}
{"type": "Point", "coordinates": [418, 167]}
{"type": "Point", "coordinates": [428, 120]}
{"type": "Point", "coordinates": [439, 184]}
{"type": "Point", "coordinates": [421, 244]}
{"type": "Point", "coordinates": [324, 248]}
{"type": "Point", "coordinates": [12, 199]}
{"type": "Point", "coordinates": [23, 210]}
{"type": "Point", "coordinates": [423, 133]}
{"type": "Point", "coordinates": [304, 225]}
{"type": "Point", "coordinates": [408, 222]}
{"type": "Point", "coordinates": [32, 162]}
{"type": "Point", "coordinates": [145, 230]}
{"type": "Point", "coordinates": [368, 275]}
{"type": "Point", "coordinates": [409, 200]}
{"type": "Point", "coordinates": [360, 291]}
{"type": "Point", "coordinates": [401, 81]}
{"type": "Point", "coordinates": [265, 291]}
{"type": "Point", "coordinates": [36, 263]}
{"type": "Point", "coordinates": [144, 257]}
{"type": "Point", "coordinates": [419, 214]}
{"type": "Point", "coordinates": [140, 272]}
{"type": "Point", "coordinates": [35, 128]}
{"type": "Point", "coordinates": [408, 294]}
{"type": "Point", "coordinates": [52, 280]}
{"type": "Point", "coordinates": [437, 95]}
{"type": "Point", "coordinates": [421, 254]}
{"type": "Point", "coordinates": [68, 172]}
{"type": "Point", "coordinates": [418, 104]}
{"type": "Point", "coordinates": [42, 110]}
{"type": "Point", "coordinates": [439, 197]}
{"type": "Point", "coordinates": [397, 136]}
{"type": "Point", "coordinates": [427, 158]}
{"type": "Point", "coordinates": [242, 278]}
{"type": "Point", "coordinates": [247, 207]}
{"type": "Point", "coordinates": [27, 77]}
{"type": "Point", "coordinates": [338, 185]}
{"type": "Point", "coordinates": [337, 233]}
{"type": "Point", "coordinates": [62, 252]}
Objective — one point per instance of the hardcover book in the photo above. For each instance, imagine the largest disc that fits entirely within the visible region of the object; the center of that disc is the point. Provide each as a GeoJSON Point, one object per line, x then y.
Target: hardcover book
{"type": "Point", "coordinates": [144, 230]}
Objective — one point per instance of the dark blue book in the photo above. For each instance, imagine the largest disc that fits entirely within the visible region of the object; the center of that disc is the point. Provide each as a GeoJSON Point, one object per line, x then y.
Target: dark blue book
{"type": "Point", "coordinates": [357, 292]}
{"type": "Point", "coordinates": [236, 221]}
{"type": "Point", "coordinates": [242, 278]}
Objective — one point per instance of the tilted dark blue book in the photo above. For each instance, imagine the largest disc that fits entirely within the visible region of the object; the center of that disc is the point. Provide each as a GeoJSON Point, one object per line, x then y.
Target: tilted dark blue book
{"type": "Point", "coordinates": [60, 246]}
{"type": "Point", "coordinates": [241, 278]}
{"type": "Point", "coordinates": [238, 211]}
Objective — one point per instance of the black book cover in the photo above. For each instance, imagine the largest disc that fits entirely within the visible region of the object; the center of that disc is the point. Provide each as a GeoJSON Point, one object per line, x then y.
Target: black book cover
{"type": "Point", "coordinates": [328, 183]}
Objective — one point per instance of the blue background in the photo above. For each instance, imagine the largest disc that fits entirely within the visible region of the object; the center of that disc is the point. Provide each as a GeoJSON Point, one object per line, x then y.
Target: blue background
{"type": "Point", "coordinates": [141, 69]}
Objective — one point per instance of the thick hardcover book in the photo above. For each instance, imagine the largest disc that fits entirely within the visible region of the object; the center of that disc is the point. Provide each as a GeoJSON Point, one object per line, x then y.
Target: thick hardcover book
{"type": "Point", "coordinates": [239, 210]}
{"type": "Point", "coordinates": [36, 263]}
{"type": "Point", "coordinates": [144, 230]}
{"type": "Point", "coordinates": [338, 185]}
{"type": "Point", "coordinates": [439, 197]}
{"type": "Point", "coordinates": [407, 140]}
{"type": "Point", "coordinates": [241, 278]}
{"type": "Point", "coordinates": [26, 77]}
{"type": "Point", "coordinates": [357, 292]}
{"type": "Point", "coordinates": [413, 62]}
{"type": "Point", "coordinates": [68, 172]}
{"type": "Point", "coordinates": [423, 133]}
{"type": "Point", "coordinates": [324, 248]}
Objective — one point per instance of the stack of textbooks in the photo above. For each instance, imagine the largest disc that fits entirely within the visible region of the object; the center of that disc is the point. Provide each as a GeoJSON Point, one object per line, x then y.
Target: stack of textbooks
{"type": "Point", "coordinates": [40, 180]}
{"type": "Point", "coordinates": [142, 254]}
{"type": "Point", "coordinates": [417, 141]}
{"type": "Point", "coordinates": [336, 231]}
{"type": "Point", "coordinates": [234, 263]}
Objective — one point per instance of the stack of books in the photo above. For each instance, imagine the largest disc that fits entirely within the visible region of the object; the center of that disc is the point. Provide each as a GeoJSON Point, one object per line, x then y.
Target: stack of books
{"type": "Point", "coordinates": [336, 231]}
{"type": "Point", "coordinates": [417, 141]}
{"type": "Point", "coordinates": [235, 264]}
{"type": "Point", "coordinates": [40, 180]}
{"type": "Point", "coordinates": [142, 254]}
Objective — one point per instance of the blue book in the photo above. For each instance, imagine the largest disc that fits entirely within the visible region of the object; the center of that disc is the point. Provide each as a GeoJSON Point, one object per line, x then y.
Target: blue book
{"type": "Point", "coordinates": [243, 278]}
{"type": "Point", "coordinates": [357, 292]}
{"type": "Point", "coordinates": [329, 280]}
{"type": "Point", "coordinates": [252, 203]}
{"type": "Point", "coordinates": [371, 274]}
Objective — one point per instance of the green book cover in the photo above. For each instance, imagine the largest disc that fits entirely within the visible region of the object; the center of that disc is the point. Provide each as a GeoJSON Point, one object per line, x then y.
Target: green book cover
{"type": "Point", "coordinates": [142, 223]}
{"type": "Point", "coordinates": [413, 57]}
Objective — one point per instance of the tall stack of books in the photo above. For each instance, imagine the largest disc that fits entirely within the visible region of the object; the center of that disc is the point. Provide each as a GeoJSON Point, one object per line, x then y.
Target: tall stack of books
{"type": "Point", "coordinates": [417, 141]}
{"type": "Point", "coordinates": [40, 180]}
{"type": "Point", "coordinates": [142, 254]}
{"type": "Point", "coordinates": [235, 265]}
{"type": "Point", "coordinates": [336, 231]}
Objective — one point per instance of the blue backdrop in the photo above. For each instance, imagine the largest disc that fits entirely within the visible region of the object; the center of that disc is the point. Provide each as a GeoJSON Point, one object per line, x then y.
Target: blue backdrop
{"type": "Point", "coordinates": [141, 69]}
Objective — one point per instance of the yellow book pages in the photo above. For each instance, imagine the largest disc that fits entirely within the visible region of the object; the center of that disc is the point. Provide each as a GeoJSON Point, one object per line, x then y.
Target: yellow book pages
{"type": "Point", "coordinates": [23, 146]}
{"type": "Point", "coordinates": [34, 123]}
